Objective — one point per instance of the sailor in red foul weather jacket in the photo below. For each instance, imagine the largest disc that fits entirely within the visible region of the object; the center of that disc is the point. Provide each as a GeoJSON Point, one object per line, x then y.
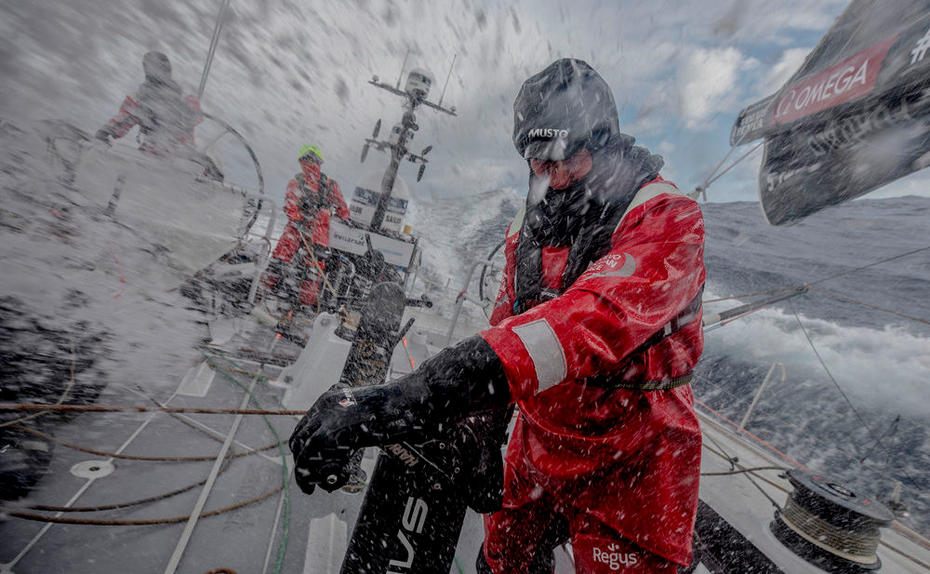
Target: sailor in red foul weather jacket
{"type": "Point", "coordinates": [310, 198]}
{"type": "Point", "coordinates": [592, 442]}
{"type": "Point", "coordinates": [594, 336]}
{"type": "Point", "coordinates": [166, 118]}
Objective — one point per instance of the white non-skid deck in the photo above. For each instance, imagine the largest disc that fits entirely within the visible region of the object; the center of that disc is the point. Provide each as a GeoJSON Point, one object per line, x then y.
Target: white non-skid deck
{"type": "Point", "coordinates": [741, 502]}
{"type": "Point", "coordinates": [286, 531]}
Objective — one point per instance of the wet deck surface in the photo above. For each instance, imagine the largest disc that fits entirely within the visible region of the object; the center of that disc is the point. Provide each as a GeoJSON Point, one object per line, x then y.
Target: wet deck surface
{"type": "Point", "coordinates": [282, 531]}
{"type": "Point", "coordinates": [285, 531]}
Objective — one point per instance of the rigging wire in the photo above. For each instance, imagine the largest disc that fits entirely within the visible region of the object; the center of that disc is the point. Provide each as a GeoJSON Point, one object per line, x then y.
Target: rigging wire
{"type": "Point", "coordinates": [827, 370]}
{"type": "Point", "coordinates": [714, 176]}
{"type": "Point", "coordinates": [218, 27]}
{"type": "Point", "coordinates": [841, 297]}
{"type": "Point", "coordinates": [744, 295]}
{"type": "Point", "coordinates": [735, 162]}
{"type": "Point", "coordinates": [892, 430]}
{"type": "Point", "coordinates": [845, 397]}
{"type": "Point", "coordinates": [874, 263]}
{"type": "Point", "coordinates": [702, 188]}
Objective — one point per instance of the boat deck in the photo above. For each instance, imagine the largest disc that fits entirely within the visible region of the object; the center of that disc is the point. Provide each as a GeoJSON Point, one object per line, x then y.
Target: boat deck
{"type": "Point", "coordinates": [747, 500]}
{"type": "Point", "coordinates": [237, 509]}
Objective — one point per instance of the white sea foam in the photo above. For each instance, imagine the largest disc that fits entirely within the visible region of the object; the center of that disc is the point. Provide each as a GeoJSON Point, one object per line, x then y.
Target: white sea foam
{"type": "Point", "coordinates": [880, 369]}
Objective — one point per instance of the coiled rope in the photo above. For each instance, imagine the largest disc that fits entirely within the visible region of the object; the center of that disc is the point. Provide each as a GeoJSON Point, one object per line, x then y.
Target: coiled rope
{"type": "Point", "coordinates": [118, 506]}
{"type": "Point", "coordinates": [140, 522]}
{"type": "Point", "coordinates": [109, 454]}
{"type": "Point", "coordinates": [40, 409]}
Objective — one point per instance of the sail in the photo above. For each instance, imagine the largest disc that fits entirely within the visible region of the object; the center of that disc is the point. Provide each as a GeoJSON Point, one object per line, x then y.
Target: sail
{"type": "Point", "coordinates": [853, 118]}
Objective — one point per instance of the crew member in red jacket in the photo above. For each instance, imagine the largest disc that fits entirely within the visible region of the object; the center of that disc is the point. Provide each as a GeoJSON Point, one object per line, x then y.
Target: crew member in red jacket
{"type": "Point", "coordinates": [594, 336]}
{"type": "Point", "coordinates": [310, 200]}
{"type": "Point", "coordinates": [166, 118]}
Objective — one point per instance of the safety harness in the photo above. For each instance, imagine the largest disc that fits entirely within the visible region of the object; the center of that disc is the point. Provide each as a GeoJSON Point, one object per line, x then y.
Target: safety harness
{"type": "Point", "coordinates": [690, 313]}
{"type": "Point", "coordinates": [313, 200]}
{"type": "Point", "coordinates": [530, 290]}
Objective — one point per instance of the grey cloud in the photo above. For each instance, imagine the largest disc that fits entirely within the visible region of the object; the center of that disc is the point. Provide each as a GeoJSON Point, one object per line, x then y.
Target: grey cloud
{"type": "Point", "coordinates": [293, 71]}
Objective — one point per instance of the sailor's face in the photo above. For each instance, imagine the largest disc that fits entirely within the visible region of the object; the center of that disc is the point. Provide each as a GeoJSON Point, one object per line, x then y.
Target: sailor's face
{"type": "Point", "coordinates": [310, 162]}
{"type": "Point", "coordinates": [563, 173]}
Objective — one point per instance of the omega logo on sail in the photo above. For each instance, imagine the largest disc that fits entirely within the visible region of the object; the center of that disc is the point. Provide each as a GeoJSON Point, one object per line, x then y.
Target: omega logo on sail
{"type": "Point", "coordinates": [842, 82]}
{"type": "Point", "coordinates": [812, 94]}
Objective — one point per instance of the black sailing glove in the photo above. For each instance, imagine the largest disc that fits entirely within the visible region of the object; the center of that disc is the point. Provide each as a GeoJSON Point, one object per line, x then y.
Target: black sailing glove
{"type": "Point", "coordinates": [458, 381]}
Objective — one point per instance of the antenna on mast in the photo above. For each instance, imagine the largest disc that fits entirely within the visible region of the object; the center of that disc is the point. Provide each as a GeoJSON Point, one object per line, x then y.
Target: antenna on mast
{"type": "Point", "coordinates": [449, 75]}
{"type": "Point", "coordinates": [402, 66]}
{"type": "Point", "coordinates": [212, 51]}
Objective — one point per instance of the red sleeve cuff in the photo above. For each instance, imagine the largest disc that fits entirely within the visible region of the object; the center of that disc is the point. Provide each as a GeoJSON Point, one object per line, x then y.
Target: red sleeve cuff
{"type": "Point", "coordinates": [518, 366]}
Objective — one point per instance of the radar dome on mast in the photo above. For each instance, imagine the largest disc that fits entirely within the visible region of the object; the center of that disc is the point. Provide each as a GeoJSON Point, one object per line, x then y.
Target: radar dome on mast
{"type": "Point", "coordinates": [419, 82]}
{"type": "Point", "coordinates": [365, 200]}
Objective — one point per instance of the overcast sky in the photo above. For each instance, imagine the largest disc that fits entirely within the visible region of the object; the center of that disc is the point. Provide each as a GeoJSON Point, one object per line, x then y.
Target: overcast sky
{"type": "Point", "coordinates": [292, 72]}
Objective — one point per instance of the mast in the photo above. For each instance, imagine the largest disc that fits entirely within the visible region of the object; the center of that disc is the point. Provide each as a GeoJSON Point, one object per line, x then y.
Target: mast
{"type": "Point", "coordinates": [414, 92]}
{"type": "Point", "coordinates": [398, 151]}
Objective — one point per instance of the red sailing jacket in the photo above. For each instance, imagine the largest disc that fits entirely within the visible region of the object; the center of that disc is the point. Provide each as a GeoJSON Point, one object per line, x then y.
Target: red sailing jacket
{"type": "Point", "coordinates": [631, 458]}
{"type": "Point", "coordinates": [177, 130]}
{"type": "Point", "coordinates": [320, 198]}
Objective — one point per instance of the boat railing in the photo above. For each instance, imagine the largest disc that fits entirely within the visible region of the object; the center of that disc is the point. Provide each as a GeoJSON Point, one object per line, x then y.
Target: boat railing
{"type": "Point", "coordinates": [463, 296]}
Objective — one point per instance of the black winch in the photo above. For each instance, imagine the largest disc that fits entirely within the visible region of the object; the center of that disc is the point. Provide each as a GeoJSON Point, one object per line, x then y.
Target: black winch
{"type": "Point", "coordinates": [831, 526]}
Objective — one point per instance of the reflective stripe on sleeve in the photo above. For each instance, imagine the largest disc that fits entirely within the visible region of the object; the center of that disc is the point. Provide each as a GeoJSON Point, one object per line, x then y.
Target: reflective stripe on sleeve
{"type": "Point", "coordinates": [545, 351]}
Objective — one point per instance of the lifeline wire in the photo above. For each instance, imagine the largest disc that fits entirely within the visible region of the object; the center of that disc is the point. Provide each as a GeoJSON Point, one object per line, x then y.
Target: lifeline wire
{"type": "Point", "coordinates": [735, 465]}
{"type": "Point", "coordinates": [845, 397]}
